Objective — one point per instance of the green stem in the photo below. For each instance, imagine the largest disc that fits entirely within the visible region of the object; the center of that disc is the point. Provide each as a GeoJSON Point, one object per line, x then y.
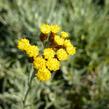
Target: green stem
{"type": "Point", "coordinates": [28, 89]}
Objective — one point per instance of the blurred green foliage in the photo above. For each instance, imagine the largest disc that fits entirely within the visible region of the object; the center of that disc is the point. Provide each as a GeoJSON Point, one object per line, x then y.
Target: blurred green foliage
{"type": "Point", "coordinates": [83, 81]}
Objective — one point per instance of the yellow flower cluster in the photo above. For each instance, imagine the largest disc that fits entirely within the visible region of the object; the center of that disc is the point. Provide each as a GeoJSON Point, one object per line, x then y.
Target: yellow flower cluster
{"type": "Point", "coordinates": [23, 44]}
{"type": "Point", "coordinates": [46, 62]}
{"type": "Point", "coordinates": [64, 34]}
{"type": "Point", "coordinates": [31, 50]}
{"type": "Point", "coordinates": [58, 40]}
{"type": "Point", "coordinates": [43, 74]}
{"type": "Point", "coordinates": [53, 64]}
{"type": "Point", "coordinates": [62, 54]}
{"type": "Point", "coordinates": [58, 49]}
{"type": "Point", "coordinates": [39, 62]}
{"type": "Point", "coordinates": [46, 29]}
{"type": "Point", "coordinates": [49, 53]}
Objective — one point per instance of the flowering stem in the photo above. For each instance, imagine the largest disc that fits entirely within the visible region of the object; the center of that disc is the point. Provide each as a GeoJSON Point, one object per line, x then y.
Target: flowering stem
{"type": "Point", "coordinates": [28, 89]}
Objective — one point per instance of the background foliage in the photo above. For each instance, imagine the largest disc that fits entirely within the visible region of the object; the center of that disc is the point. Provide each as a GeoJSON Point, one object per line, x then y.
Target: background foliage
{"type": "Point", "coordinates": [83, 81]}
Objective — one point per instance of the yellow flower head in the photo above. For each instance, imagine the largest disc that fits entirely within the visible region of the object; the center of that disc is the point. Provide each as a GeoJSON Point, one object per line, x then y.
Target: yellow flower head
{"type": "Point", "coordinates": [57, 48]}
{"type": "Point", "coordinates": [39, 62]}
{"type": "Point", "coordinates": [23, 44]}
{"type": "Point", "coordinates": [45, 28]}
{"type": "Point", "coordinates": [64, 34]}
{"type": "Point", "coordinates": [71, 50]}
{"type": "Point", "coordinates": [49, 53]}
{"type": "Point", "coordinates": [58, 40]}
{"type": "Point", "coordinates": [55, 28]}
{"type": "Point", "coordinates": [43, 74]}
{"type": "Point", "coordinates": [32, 51]}
{"type": "Point", "coordinates": [62, 54]}
{"type": "Point", "coordinates": [67, 43]}
{"type": "Point", "coordinates": [53, 64]}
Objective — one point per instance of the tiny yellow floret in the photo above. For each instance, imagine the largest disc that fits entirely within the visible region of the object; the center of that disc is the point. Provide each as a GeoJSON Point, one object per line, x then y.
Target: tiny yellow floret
{"type": "Point", "coordinates": [39, 62]}
{"type": "Point", "coordinates": [23, 44]}
{"type": "Point", "coordinates": [45, 28]}
{"type": "Point", "coordinates": [58, 40]}
{"type": "Point", "coordinates": [49, 53]}
{"type": "Point", "coordinates": [53, 64]}
{"type": "Point", "coordinates": [64, 34]}
{"type": "Point", "coordinates": [43, 74]}
{"type": "Point", "coordinates": [55, 28]}
{"type": "Point", "coordinates": [67, 43]}
{"type": "Point", "coordinates": [62, 54]}
{"type": "Point", "coordinates": [71, 50]}
{"type": "Point", "coordinates": [32, 51]}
